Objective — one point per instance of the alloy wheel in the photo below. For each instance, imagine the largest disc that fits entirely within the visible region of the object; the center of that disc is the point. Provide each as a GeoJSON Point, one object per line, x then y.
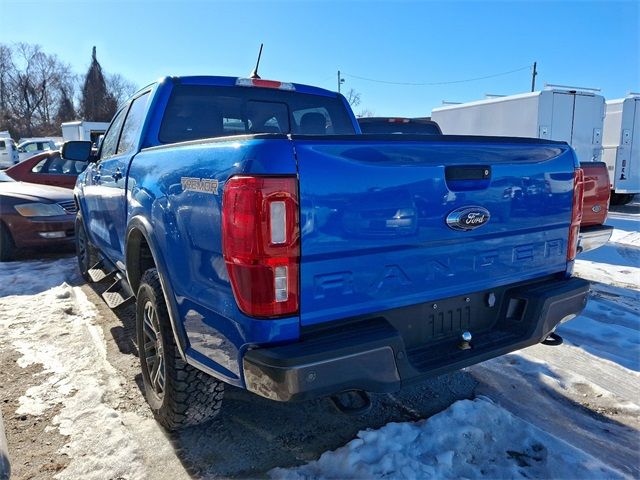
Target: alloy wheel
{"type": "Point", "coordinates": [153, 348]}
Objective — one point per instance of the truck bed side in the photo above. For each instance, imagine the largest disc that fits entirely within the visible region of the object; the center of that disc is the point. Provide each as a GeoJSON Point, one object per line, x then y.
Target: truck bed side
{"type": "Point", "coordinates": [185, 225]}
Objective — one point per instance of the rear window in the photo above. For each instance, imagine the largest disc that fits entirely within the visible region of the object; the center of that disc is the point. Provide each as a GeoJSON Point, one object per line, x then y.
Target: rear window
{"type": "Point", "coordinates": [412, 127]}
{"type": "Point", "coordinates": [203, 111]}
{"type": "Point", "coordinates": [3, 146]}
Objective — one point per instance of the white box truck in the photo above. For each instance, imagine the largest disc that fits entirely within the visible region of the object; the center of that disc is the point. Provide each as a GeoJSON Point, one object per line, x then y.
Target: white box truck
{"type": "Point", "coordinates": [621, 147]}
{"type": "Point", "coordinates": [8, 151]}
{"type": "Point", "coordinates": [555, 113]}
{"type": "Point", "coordinates": [81, 130]}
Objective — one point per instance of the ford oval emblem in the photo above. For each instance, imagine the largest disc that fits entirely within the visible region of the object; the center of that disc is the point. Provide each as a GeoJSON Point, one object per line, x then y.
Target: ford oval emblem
{"type": "Point", "coordinates": [468, 218]}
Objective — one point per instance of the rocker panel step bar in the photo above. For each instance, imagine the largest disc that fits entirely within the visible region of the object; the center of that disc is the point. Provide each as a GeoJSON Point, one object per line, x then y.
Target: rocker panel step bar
{"type": "Point", "coordinates": [119, 294]}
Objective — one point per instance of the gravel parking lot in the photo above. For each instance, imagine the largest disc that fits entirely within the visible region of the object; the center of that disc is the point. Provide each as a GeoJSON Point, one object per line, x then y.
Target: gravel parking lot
{"type": "Point", "coordinates": [252, 436]}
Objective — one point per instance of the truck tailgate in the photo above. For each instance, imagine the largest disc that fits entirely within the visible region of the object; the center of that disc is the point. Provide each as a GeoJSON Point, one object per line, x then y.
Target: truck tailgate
{"type": "Point", "coordinates": [374, 233]}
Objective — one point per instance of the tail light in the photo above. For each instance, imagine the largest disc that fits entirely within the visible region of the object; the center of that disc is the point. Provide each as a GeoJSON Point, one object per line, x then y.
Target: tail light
{"type": "Point", "coordinates": [259, 82]}
{"type": "Point", "coordinates": [261, 244]}
{"type": "Point", "coordinates": [576, 213]}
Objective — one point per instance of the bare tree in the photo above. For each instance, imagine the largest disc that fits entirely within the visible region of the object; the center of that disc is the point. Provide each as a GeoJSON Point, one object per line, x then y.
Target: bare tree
{"type": "Point", "coordinates": [6, 66]}
{"type": "Point", "coordinates": [30, 86]}
{"type": "Point", "coordinates": [365, 112]}
{"type": "Point", "coordinates": [65, 111]}
{"type": "Point", "coordinates": [37, 91]}
{"type": "Point", "coordinates": [353, 97]}
{"type": "Point", "coordinates": [120, 88]}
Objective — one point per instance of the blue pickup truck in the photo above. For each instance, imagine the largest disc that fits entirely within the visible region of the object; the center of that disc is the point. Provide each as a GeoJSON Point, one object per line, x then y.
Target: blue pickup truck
{"type": "Point", "coordinates": [269, 245]}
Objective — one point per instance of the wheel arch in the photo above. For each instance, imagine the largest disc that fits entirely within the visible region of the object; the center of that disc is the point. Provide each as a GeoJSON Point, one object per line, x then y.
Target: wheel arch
{"type": "Point", "coordinates": [142, 253]}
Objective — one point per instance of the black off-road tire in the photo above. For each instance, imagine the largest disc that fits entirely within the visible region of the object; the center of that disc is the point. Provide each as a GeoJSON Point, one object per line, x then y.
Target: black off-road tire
{"type": "Point", "coordinates": [187, 396]}
{"type": "Point", "coordinates": [7, 247]}
{"type": "Point", "coordinates": [85, 252]}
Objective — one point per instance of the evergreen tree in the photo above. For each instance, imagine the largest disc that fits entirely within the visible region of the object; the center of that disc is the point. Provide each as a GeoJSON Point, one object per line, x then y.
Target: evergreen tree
{"type": "Point", "coordinates": [97, 103]}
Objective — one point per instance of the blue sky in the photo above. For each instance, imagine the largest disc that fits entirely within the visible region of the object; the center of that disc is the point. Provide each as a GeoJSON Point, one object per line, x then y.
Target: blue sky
{"type": "Point", "coordinates": [583, 43]}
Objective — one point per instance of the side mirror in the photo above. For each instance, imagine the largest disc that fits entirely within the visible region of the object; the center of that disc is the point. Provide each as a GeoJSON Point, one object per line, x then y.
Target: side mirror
{"type": "Point", "coordinates": [78, 151]}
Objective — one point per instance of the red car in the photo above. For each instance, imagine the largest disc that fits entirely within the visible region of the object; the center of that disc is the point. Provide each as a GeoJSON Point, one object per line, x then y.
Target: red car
{"type": "Point", "coordinates": [47, 168]}
{"type": "Point", "coordinates": [34, 216]}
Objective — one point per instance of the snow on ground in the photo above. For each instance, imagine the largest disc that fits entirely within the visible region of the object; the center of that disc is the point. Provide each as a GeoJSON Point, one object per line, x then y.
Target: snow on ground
{"type": "Point", "coordinates": [571, 411]}
{"type": "Point", "coordinates": [54, 326]}
{"type": "Point", "coordinates": [471, 439]}
{"type": "Point", "coordinates": [625, 238]}
{"type": "Point", "coordinates": [618, 262]}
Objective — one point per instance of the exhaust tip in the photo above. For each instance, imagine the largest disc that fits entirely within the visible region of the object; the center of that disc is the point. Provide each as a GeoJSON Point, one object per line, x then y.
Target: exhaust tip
{"type": "Point", "coordinates": [353, 402]}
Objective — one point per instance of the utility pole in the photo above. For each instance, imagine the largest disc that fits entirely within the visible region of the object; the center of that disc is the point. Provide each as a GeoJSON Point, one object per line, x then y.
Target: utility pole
{"type": "Point", "coordinates": [533, 76]}
{"type": "Point", "coordinates": [340, 81]}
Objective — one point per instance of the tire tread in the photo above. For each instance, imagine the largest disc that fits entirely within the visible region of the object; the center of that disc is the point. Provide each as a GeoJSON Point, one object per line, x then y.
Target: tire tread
{"type": "Point", "coordinates": [191, 397]}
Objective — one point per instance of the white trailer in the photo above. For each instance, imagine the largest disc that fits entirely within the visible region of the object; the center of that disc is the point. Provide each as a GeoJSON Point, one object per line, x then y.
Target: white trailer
{"type": "Point", "coordinates": [621, 146]}
{"type": "Point", "coordinates": [556, 113]}
{"type": "Point", "coordinates": [81, 130]}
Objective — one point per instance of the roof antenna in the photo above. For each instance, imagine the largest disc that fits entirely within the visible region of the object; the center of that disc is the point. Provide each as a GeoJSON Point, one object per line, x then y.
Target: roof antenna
{"type": "Point", "coordinates": [254, 74]}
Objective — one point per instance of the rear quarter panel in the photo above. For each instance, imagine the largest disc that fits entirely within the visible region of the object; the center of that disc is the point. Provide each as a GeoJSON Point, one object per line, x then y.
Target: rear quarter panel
{"type": "Point", "coordinates": [187, 230]}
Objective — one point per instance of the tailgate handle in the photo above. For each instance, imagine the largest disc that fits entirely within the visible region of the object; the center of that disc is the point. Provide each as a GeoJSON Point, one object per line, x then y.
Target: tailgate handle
{"type": "Point", "coordinates": [467, 172]}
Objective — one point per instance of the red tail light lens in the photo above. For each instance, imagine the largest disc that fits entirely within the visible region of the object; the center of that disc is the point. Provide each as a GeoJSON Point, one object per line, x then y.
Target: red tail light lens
{"type": "Point", "coordinates": [261, 243]}
{"type": "Point", "coordinates": [576, 213]}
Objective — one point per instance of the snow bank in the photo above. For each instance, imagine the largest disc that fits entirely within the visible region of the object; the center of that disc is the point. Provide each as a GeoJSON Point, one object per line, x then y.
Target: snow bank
{"type": "Point", "coordinates": [609, 327]}
{"type": "Point", "coordinates": [610, 273]}
{"type": "Point", "coordinates": [35, 276]}
{"type": "Point", "coordinates": [471, 439]}
{"type": "Point", "coordinates": [55, 328]}
{"type": "Point", "coordinates": [625, 237]}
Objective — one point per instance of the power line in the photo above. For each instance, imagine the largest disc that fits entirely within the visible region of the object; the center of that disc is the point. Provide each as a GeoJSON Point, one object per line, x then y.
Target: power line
{"type": "Point", "coordinates": [436, 83]}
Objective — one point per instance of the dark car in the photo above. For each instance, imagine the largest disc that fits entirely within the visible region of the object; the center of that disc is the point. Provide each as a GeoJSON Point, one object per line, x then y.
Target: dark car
{"type": "Point", "coordinates": [47, 168]}
{"type": "Point", "coordinates": [416, 126]}
{"type": "Point", "coordinates": [34, 216]}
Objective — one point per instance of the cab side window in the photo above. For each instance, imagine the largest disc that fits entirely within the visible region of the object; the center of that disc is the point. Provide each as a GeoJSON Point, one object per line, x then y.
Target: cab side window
{"type": "Point", "coordinates": [133, 123]}
{"type": "Point", "coordinates": [110, 141]}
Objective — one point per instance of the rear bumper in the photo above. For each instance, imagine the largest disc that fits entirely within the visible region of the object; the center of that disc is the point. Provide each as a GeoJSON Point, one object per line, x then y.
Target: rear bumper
{"type": "Point", "coordinates": [593, 237]}
{"type": "Point", "coordinates": [372, 355]}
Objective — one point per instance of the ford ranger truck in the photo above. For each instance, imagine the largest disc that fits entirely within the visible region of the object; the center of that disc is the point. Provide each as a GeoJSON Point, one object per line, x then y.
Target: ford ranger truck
{"type": "Point", "coordinates": [269, 245]}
